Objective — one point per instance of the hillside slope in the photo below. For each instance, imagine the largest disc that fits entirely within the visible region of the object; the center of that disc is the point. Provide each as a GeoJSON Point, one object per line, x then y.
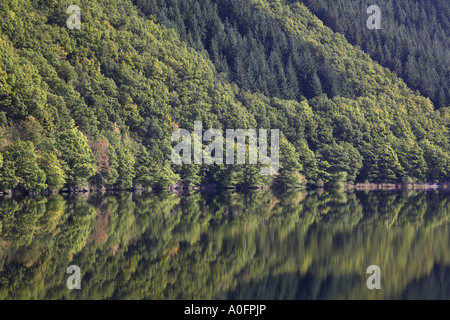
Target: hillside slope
{"type": "Point", "coordinates": [413, 40]}
{"type": "Point", "coordinates": [98, 105]}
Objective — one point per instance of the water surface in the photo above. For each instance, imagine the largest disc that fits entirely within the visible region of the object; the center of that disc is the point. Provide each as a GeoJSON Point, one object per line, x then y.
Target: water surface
{"type": "Point", "coordinates": [256, 245]}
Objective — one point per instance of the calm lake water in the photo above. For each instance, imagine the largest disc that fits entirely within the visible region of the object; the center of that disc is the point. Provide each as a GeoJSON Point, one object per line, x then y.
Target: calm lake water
{"type": "Point", "coordinates": [257, 245]}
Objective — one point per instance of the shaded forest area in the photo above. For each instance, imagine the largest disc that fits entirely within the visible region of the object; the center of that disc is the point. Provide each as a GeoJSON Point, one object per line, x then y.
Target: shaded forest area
{"type": "Point", "coordinates": [413, 41]}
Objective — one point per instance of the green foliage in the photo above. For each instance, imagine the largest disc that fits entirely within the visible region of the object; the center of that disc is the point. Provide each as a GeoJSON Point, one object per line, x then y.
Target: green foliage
{"type": "Point", "coordinates": [144, 176]}
{"type": "Point", "coordinates": [122, 159]}
{"type": "Point", "coordinates": [20, 168]}
{"type": "Point", "coordinates": [289, 173]}
{"type": "Point", "coordinates": [411, 42]}
{"type": "Point", "coordinates": [388, 163]}
{"type": "Point", "coordinates": [190, 174]}
{"type": "Point", "coordinates": [106, 98]}
{"type": "Point", "coordinates": [76, 157]}
{"type": "Point", "coordinates": [164, 176]}
{"type": "Point", "coordinates": [339, 163]}
{"type": "Point", "coordinates": [54, 173]}
{"type": "Point", "coordinates": [248, 47]}
{"type": "Point", "coordinates": [438, 161]}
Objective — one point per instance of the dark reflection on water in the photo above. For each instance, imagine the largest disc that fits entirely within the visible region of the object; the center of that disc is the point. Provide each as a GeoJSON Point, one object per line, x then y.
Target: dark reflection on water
{"type": "Point", "coordinates": [257, 245]}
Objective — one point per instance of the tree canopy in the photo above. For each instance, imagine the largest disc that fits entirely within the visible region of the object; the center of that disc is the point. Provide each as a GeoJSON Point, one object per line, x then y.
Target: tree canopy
{"type": "Point", "coordinates": [96, 106]}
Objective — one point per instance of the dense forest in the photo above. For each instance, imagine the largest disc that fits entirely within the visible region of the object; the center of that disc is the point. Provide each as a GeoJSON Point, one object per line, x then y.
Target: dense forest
{"type": "Point", "coordinates": [413, 40]}
{"type": "Point", "coordinates": [160, 246]}
{"type": "Point", "coordinates": [95, 107]}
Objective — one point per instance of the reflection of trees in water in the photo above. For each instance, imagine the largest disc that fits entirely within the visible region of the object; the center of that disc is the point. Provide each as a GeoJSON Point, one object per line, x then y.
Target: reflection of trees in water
{"type": "Point", "coordinates": [433, 287]}
{"type": "Point", "coordinates": [228, 245]}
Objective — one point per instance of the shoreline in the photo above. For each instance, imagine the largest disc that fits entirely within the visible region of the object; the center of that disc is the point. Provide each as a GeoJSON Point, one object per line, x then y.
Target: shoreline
{"type": "Point", "coordinates": [208, 188]}
{"type": "Point", "coordinates": [397, 186]}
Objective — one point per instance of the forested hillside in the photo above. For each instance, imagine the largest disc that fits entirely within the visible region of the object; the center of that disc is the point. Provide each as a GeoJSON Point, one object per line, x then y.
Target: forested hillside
{"type": "Point", "coordinates": [250, 47]}
{"type": "Point", "coordinates": [97, 106]}
{"type": "Point", "coordinates": [413, 40]}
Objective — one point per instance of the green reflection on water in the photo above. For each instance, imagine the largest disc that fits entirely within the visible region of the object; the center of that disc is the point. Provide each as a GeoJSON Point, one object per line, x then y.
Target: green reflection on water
{"type": "Point", "coordinates": [256, 245]}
